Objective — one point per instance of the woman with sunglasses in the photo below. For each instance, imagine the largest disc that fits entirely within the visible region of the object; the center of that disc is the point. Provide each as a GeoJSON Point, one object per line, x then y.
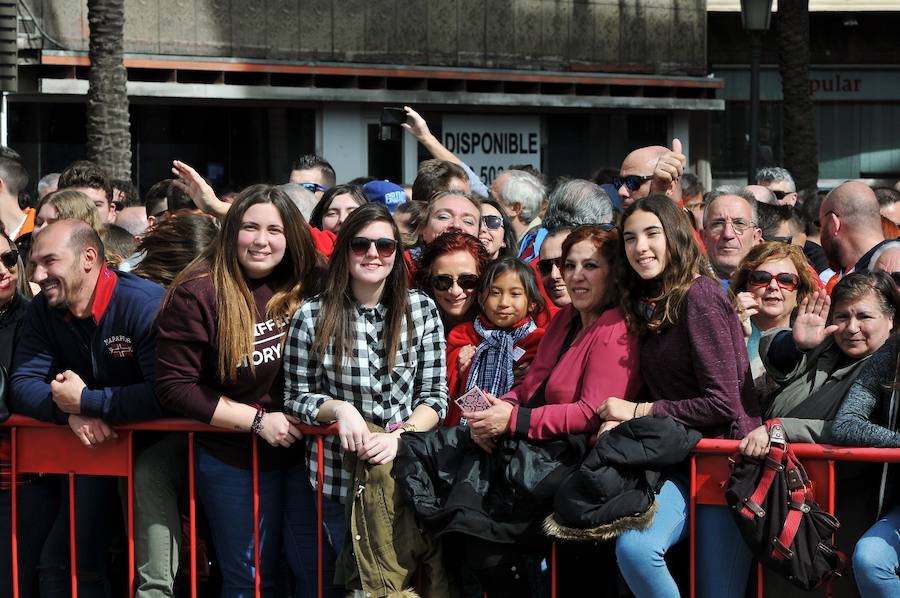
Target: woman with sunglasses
{"type": "Point", "coordinates": [816, 362]}
{"type": "Point", "coordinates": [336, 204]}
{"type": "Point", "coordinates": [449, 270]}
{"type": "Point", "coordinates": [766, 288]}
{"type": "Point", "coordinates": [37, 501]}
{"type": "Point", "coordinates": [496, 231]}
{"type": "Point", "coordinates": [694, 365]}
{"type": "Point", "coordinates": [368, 354]}
{"type": "Point", "coordinates": [219, 360]}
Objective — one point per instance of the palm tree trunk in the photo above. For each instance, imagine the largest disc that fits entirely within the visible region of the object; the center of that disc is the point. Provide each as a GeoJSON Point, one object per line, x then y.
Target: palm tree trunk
{"type": "Point", "coordinates": [798, 119]}
{"type": "Point", "coordinates": [108, 126]}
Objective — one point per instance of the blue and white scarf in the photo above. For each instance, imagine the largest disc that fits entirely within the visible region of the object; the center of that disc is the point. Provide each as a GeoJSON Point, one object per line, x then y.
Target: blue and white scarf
{"type": "Point", "coordinates": [492, 365]}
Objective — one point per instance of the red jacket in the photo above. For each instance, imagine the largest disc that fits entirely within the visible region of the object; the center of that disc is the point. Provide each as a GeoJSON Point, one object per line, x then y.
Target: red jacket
{"type": "Point", "coordinates": [464, 335]}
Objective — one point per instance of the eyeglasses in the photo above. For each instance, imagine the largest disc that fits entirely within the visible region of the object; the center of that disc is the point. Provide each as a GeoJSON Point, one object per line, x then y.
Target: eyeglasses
{"type": "Point", "coordinates": [632, 181]}
{"type": "Point", "coordinates": [443, 282]}
{"type": "Point", "coordinates": [546, 266]}
{"type": "Point", "coordinates": [818, 223]}
{"type": "Point", "coordinates": [10, 259]}
{"type": "Point", "coordinates": [739, 225]}
{"type": "Point", "coordinates": [785, 240]}
{"type": "Point", "coordinates": [786, 280]}
{"type": "Point", "coordinates": [313, 187]}
{"type": "Point", "coordinates": [384, 246]}
{"type": "Point", "coordinates": [492, 222]}
{"type": "Point", "coordinates": [779, 195]}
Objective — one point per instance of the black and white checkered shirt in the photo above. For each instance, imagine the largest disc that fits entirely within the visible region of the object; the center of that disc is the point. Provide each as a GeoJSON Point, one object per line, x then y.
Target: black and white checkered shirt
{"type": "Point", "coordinates": [382, 397]}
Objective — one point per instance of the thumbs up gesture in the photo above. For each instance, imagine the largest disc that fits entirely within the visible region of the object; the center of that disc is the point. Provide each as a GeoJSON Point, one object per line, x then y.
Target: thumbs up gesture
{"type": "Point", "coordinates": [669, 168]}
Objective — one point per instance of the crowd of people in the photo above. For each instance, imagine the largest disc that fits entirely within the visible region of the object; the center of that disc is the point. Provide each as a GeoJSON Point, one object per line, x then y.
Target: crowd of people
{"type": "Point", "coordinates": [472, 344]}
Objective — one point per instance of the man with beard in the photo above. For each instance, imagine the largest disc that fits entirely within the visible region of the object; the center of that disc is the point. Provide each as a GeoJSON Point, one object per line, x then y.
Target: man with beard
{"type": "Point", "coordinates": [850, 228]}
{"type": "Point", "coordinates": [86, 357]}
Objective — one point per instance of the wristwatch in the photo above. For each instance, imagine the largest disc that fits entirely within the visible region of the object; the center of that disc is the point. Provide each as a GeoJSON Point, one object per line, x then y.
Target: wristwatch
{"type": "Point", "coordinates": [407, 428]}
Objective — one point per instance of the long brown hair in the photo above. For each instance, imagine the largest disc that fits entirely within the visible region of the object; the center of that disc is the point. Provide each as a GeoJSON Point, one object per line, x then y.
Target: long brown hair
{"type": "Point", "coordinates": [684, 263]}
{"type": "Point", "coordinates": [173, 243]}
{"type": "Point", "coordinates": [292, 278]}
{"type": "Point", "coordinates": [335, 319]}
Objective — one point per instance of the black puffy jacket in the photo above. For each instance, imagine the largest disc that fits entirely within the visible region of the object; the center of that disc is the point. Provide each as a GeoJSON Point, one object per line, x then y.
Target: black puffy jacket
{"type": "Point", "coordinates": [615, 488]}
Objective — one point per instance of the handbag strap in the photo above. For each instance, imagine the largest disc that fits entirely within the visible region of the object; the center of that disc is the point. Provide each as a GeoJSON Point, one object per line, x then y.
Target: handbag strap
{"type": "Point", "coordinates": [773, 464]}
{"type": "Point", "coordinates": [538, 399]}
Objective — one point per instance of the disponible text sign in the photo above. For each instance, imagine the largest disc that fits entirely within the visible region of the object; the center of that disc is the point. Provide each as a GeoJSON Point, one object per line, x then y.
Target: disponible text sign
{"type": "Point", "coordinates": [490, 144]}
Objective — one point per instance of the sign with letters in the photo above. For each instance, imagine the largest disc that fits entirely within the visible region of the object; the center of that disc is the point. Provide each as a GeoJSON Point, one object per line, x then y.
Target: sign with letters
{"type": "Point", "coordinates": [490, 144]}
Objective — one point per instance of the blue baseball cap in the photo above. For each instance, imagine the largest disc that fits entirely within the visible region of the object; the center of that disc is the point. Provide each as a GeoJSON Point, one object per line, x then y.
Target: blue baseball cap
{"type": "Point", "coordinates": [386, 193]}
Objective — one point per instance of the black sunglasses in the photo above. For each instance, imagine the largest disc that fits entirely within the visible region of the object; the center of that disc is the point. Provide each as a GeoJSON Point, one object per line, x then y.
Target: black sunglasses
{"type": "Point", "coordinates": [632, 181]}
{"type": "Point", "coordinates": [787, 240]}
{"type": "Point", "coordinates": [761, 278]}
{"type": "Point", "coordinates": [384, 246]}
{"type": "Point", "coordinates": [443, 282]}
{"type": "Point", "coordinates": [313, 187]}
{"type": "Point", "coordinates": [546, 266]}
{"type": "Point", "coordinates": [10, 259]}
{"type": "Point", "coordinates": [779, 195]}
{"type": "Point", "coordinates": [492, 222]}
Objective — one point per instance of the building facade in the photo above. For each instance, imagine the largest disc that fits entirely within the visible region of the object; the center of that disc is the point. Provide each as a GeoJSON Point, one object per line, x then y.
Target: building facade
{"type": "Point", "coordinates": [241, 88]}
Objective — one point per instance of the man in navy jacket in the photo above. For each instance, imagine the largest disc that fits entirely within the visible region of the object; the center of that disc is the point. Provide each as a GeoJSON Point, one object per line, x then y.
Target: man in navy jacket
{"type": "Point", "coordinates": [85, 357]}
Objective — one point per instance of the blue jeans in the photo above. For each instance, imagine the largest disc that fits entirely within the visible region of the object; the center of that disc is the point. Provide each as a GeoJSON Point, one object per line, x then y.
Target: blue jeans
{"type": "Point", "coordinates": [723, 559]}
{"type": "Point", "coordinates": [876, 559]}
{"type": "Point", "coordinates": [38, 503]}
{"type": "Point", "coordinates": [96, 508]}
{"type": "Point", "coordinates": [286, 503]}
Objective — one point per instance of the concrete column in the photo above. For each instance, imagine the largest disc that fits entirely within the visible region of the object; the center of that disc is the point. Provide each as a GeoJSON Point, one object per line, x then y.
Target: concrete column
{"type": "Point", "coordinates": [343, 140]}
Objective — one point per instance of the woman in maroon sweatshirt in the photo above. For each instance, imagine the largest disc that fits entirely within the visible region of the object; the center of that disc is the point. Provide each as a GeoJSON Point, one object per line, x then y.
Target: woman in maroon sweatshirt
{"type": "Point", "coordinates": [695, 370]}
{"type": "Point", "coordinates": [221, 332]}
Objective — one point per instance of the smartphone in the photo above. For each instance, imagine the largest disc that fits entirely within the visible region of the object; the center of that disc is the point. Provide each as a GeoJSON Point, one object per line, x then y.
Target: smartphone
{"type": "Point", "coordinates": [393, 117]}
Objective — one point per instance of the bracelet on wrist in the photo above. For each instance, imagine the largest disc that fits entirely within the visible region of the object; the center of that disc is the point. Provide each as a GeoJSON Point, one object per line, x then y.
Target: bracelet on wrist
{"type": "Point", "coordinates": [256, 427]}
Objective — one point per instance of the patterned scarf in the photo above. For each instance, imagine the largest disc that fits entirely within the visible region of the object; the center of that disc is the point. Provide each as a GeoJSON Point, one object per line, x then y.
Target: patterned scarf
{"type": "Point", "coordinates": [492, 365]}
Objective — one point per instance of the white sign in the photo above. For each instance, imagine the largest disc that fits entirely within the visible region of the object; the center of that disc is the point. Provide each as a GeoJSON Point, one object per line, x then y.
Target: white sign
{"type": "Point", "coordinates": [490, 144]}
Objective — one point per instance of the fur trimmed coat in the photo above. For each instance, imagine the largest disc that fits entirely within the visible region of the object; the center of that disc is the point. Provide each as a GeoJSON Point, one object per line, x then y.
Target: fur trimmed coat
{"type": "Point", "coordinates": [615, 488]}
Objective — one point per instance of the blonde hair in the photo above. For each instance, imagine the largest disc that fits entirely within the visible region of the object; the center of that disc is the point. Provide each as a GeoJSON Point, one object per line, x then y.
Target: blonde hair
{"type": "Point", "coordinates": [75, 205]}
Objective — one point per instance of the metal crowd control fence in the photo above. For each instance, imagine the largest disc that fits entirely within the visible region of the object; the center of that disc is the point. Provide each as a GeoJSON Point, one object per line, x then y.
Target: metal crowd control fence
{"type": "Point", "coordinates": [710, 469]}
{"type": "Point", "coordinates": [40, 447]}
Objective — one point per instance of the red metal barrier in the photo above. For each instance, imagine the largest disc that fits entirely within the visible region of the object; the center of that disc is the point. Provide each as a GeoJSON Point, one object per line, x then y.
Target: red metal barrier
{"type": "Point", "coordinates": [710, 470]}
{"type": "Point", "coordinates": [41, 447]}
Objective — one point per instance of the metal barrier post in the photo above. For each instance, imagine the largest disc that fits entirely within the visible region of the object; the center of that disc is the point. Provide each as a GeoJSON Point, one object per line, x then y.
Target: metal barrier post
{"type": "Point", "coordinates": [130, 484]}
{"type": "Point", "coordinates": [320, 496]}
{"type": "Point", "coordinates": [14, 470]}
{"type": "Point", "coordinates": [256, 578]}
{"type": "Point", "coordinates": [692, 515]}
{"type": "Point", "coordinates": [192, 507]}
{"type": "Point", "coordinates": [73, 557]}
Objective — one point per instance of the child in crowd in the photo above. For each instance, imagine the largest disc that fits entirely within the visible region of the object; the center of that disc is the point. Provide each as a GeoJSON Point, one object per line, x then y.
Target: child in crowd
{"type": "Point", "coordinates": [490, 351]}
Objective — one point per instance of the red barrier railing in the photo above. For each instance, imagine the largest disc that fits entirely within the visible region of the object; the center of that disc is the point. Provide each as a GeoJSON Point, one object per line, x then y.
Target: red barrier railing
{"type": "Point", "coordinates": [710, 470]}
{"type": "Point", "coordinates": [40, 447]}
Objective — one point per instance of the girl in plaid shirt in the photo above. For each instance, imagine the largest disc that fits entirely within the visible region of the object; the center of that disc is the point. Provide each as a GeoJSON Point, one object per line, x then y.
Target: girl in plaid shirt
{"type": "Point", "coordinates": [367, 353]}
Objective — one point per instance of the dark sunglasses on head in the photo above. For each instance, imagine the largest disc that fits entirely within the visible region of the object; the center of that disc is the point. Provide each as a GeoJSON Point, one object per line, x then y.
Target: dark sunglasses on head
{"type": "Point", "coordinates": [10, 259]}
{"type": "Point", "coordinates": [443, 282]}
{"type": "Point", "coordinates": [492, 222]}
{"type": "Point", "coordinates": [779, 195]}
{"type": "Point", "coordinates": [313, 187]}
{"type": "Point", "coordinates": [632, 181]}
{"type": "Point", "coordinates": [787, 240]}
{"type": "Point", "coordinates": [384, 246]}
{"type": "Point", "coordinates": [786, 280]}
{"type": "Point", "coordinates": [546, 266]}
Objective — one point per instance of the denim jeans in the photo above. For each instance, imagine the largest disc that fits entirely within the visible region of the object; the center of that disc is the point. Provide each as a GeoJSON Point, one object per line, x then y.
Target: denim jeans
{"type": "Point", "coordinates": [286, 504]}
{"type": "Point", "coordinates": [38, 503]}
{"type": "Point", "coordinates": [96, 509]}
{"type": "Point", "coordinates": [876, 558]}
{"type": "Point", "coordinates": [723, 559]}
